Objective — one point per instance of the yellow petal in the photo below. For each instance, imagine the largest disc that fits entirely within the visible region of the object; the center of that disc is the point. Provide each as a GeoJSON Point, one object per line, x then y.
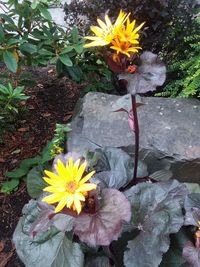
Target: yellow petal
{"type": "Point", "coordinates": [51, 181]}
{"type": "Point", "coordinates": [77, 205]}
{"type": "Point", "coordinates": [139, 27]}
{"type": "Point", "coordinates": [102, 24]}
{"type": "Point", "coordinates": [62, 170]}
{"type": "Point", "coordinates": [86, 187]}
{"type": "Point", "coordinates": [54, 189]}
{"type": "Point", "coordinates": [61, 204]}
{"type": "Point", "coordinates": [108, 22]}
{"type": "Point", "coordinates": [86, 178]}
{"type": "Point", "coordinates": [70, 200]}
{"type": "Point", "coordinates": [80, 196]}
{"type": "Point", "coordinates": [97, 43]}
{"type": "Point", "coordinates": [80, 171]}
{"type": "Point", "coordinates": [76, 165]}
{"type": "Point", "coordinates": [52, 175]}
{"type": "Point", "coordinates": [92, 38]}
{"type": "Point", "coordinates": [96, 30]}
{"type": "Point", "coordinates": [53, 198]}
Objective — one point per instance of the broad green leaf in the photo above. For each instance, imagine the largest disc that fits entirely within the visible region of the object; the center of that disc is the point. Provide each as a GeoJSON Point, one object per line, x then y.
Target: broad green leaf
{"type": "Point", "coordinates": [57, 251]}
{"type": "Point", "coordinates": [66, 50]}
{"type": "Point", "coordinates": [157, 213]}
{"type": "Point", "coordinates": [27, 163]}
{"type": "Point", "coordinates": [65, 59]}
{"type": "Point", "coordinates": [74, 34]}
{"type": "Point", "coordinates": [18, 173]}
{"type": "Point", "coordinates": [2, 35]}
{"type": "Point", "coordinates": [8, 187]}
{"type": "Point", "coordinates": [10, 61]}
{"type": "Point", "coordinates": [75, 73]}
{"type": "Point", "coordinates": [7, 18]}
{"type": "Point", "coordinates": [29, 48]}
{"type": "Point", "coordinates": [115, 167]}
{"type": "Point", "coordinates": [45, 13]}
{"type": "Point", "coordinates": [79, 48]}
{"type": "Point", "coordinates": [35, 183]}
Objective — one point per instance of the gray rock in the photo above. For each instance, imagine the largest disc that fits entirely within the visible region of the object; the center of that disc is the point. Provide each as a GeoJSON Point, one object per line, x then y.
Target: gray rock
{"type": "Point", "coordinates": [169, 131]}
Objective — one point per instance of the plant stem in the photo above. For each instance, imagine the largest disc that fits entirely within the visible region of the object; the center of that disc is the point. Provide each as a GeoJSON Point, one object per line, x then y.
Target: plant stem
{"type": "Point", "coordinates": [136, 132]}
{"type": "Point", "coordinates": [136, 140]}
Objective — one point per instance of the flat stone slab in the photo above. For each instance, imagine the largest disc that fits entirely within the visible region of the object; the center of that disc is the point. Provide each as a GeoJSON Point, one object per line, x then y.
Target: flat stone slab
{"type": "Point", "coordinates": [169, 130]}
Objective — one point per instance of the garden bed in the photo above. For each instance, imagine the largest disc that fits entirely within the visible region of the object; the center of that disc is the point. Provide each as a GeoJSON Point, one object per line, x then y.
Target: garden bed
{"type": "Point", "coordinates": [51, 101]}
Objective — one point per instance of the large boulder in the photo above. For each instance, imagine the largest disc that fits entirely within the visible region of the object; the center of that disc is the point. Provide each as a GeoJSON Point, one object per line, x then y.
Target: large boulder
{"type": "Point", "coordinates": [169, 131]}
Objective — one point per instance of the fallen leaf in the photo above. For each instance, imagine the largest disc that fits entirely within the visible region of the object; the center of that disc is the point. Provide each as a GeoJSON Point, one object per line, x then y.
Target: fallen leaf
{"type": "Point", "coordinates": [23, 129]}
{"type": "Point", "coordinates": [45, 115]}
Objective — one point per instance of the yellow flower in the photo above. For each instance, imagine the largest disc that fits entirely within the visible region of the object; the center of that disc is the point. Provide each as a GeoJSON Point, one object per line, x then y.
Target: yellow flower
{"type": "Point", "coordinates": [126, 39]}
{"type": "Point", "coordinates": [68, 186]}
{"type": "Point", "coordinates": [124, 47]}
{"type": "Point", "coordinates": [105, 32]}
{"type": "Point", "coordinates": [128, 33]}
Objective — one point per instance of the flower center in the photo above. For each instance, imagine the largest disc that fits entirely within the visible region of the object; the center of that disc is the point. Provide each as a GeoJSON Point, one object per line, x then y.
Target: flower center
{"type": "Point", "coordinates": [71, 187]}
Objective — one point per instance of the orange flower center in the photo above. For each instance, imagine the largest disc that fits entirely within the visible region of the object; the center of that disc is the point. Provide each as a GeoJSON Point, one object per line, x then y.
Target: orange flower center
{"type": "Point", "coordinates": [71, 187]}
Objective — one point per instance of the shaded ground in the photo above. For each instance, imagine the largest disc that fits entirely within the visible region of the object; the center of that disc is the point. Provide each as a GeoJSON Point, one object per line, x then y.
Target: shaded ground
{"type": "Point", "coordinates": [52, 101]}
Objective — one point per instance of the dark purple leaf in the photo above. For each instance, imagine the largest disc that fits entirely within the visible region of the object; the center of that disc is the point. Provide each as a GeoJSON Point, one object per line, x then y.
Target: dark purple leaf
{"type": "Point", "coordinates": [104, 226]}
{"type": "Point", "coordinates": [191, 254]}
{"type": "Point", "coordinates": [43, 222]}
{"type": "Point", "coordinates": [151, 73]}
{"type": "Point", "coordinates": [98, 262]}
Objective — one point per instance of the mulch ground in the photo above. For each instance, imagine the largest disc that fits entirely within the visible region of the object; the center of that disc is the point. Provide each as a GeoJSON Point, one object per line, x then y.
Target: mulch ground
{"type": "Point", "coordinates": [51, 101]}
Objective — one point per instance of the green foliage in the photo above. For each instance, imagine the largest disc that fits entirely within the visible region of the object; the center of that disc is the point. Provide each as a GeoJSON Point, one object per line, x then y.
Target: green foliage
{"type": "Point", "coordinates": [33, 38]}
{"type": "Point", "coordinates": [9, 100]}
{"type": "Point", "coordinates": [184, 71]}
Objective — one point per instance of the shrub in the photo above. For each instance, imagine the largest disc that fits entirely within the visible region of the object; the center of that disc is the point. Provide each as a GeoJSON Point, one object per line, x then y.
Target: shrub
{"type": "Point", "coordinates": [184, 72]}
{"type": "Point", "coordinates": [167, 22]}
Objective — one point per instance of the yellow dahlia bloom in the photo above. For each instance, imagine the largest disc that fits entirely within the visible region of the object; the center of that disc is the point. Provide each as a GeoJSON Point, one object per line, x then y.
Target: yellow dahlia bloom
{"type": "Point", "coordinates": [68, 186]}
{"type": "Point", "coordinates": [125, 48]}
{"type": "Point", "coordinates": [105, 32]}
{"type": "Point", "coordinates": [128, 33]}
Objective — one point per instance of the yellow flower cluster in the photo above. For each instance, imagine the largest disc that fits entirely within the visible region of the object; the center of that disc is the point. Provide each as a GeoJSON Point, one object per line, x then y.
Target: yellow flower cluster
{"type": "Point", "coordinates": [56, 150]}
{"type": "Point", "coordinates": [122, 36]}
{"type": "Point", "coordinates": [68, 187]}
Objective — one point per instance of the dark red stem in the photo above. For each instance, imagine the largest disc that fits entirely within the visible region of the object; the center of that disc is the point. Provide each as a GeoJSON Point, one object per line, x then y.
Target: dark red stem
{"type": "Point", "coordinates": [136, 141]}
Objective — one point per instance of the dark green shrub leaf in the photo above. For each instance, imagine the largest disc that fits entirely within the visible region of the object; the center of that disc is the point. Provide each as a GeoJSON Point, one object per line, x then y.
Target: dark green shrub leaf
{"type": "Point", "coordinates": [45, 13]}
{"type": "Point", "coordinates": [157, 212]}
{"type": "Point", "coordinates": [35, 183]}
{"type": "Point", "coordinates": [75, 73]}
{"type": "Point", "coordinates": [66, 60]}
{"type": "Point", "coordinates": [2, 35]}
{"type": "Point", "coordinates": [29, 48]}
{"type": "Point", "coordinates": [10, 61]}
